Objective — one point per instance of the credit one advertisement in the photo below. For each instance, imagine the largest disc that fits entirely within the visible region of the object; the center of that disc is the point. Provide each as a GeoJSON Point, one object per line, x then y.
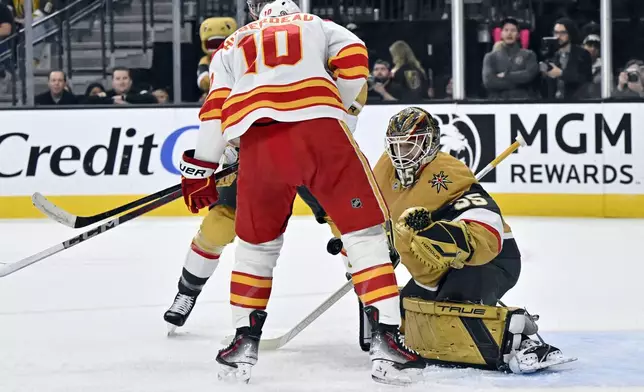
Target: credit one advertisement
{"type": "Point", "coordinates": [572, 149]}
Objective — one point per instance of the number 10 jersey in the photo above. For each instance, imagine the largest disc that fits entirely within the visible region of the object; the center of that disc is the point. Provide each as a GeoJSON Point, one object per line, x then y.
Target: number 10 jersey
{"type": "Point", "coordinates": [289, 68]}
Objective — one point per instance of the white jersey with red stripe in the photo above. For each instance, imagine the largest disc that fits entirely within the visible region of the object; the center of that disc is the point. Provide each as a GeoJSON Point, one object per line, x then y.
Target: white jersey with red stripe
{"type": "Point", "coordinates": [289, 68]}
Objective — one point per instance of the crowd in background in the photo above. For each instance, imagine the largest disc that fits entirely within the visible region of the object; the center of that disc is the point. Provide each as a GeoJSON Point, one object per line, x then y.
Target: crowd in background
{"type": "Point", "coordinates": [570, 69]}
{"type": "Point", "coordinates": [566, 66]}
{"type": "Point", "coordinates": [122, 92]}
{"type": "Point", "coordinates": [60, 89]}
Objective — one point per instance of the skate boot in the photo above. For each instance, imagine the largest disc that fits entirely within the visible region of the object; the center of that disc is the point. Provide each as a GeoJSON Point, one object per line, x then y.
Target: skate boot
{"type": "Point", "coordinates": [534, 355]}
{"type": "Point", "coordinates": [392, 361]}
{"type": "Point", "coordinates": [240, 355]}
{"type": "Point", "coordinates": [529, 355]}
{"type": "Point", "coordinates": [178, 313]}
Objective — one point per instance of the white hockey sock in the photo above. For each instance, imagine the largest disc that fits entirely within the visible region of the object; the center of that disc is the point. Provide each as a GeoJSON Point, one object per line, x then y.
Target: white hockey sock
{"type": "Point", "coordinates": [198, 266]}
{"type": "Point", "coordinates": [373, 273]}
{"type": "Point", "coordinates": [252, 278]}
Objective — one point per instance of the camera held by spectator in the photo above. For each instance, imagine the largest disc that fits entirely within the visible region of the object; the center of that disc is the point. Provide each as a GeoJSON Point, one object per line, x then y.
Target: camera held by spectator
{"type": "Point", "coordinates": [630, 81]}
{"type": "Point", "coordinates": [381, 86]}
{"type": "Point", "coordinates": [567, 67]}
{"type": "Point", "coordinates": [509, 70]}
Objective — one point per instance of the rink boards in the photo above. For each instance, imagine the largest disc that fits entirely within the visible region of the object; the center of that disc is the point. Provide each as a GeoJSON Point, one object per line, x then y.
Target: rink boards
{"type": "Point", "coordinates": [581, 160]}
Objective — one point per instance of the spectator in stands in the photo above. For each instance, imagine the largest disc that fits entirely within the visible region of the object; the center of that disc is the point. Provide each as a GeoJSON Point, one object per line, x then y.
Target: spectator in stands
{"type": "Point", "coordinates": [449, 89]}
{"type": "Point", "coordinates": [57, 94]}
{"type": "Point", "coordinates": [592, 44]}
{"type": "Point", "coordinates": [629, 84]}
{"type": "Point", "coordinates": [570, 69]}
{"type": "Point", "coordinates": [6, 29]}
{"type": "Point", "coordinates": [42, 49]}
{"type": "Point", "coordinates": [92, 90]}
{"type": "Point", "coordinates": [381, 87]}
{"type": "Point", "coordinates": [509, 71]}
{"type": "Point", "coordinates": [39, 10]}
{"type": "Point", "coordinates": [95, 90]}
{"type": "Point", "coordinates": [122, 91]}
{"type": "Point", "coordinates": [408, 72]}
{"type": "Point", "coordinates": [161, 95]}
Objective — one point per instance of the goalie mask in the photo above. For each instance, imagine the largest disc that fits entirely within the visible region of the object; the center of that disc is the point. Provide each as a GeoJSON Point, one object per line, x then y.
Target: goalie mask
{"type": "Point", "coordinates": [262, 9]}
{"type": "Point", "coordinates": [412, 141]}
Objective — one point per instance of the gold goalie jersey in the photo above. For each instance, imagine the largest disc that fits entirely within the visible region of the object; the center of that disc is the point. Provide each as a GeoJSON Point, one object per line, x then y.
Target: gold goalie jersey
{"type": "Point", "coordinates": [443, 181]}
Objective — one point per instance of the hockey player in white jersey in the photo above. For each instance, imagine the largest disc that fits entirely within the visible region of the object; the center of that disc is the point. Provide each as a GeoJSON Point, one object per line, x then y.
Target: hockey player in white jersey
{"type": "Point", "coordinates": [281, 89]}
{"type": "Point", "coordinates": [217, 231]}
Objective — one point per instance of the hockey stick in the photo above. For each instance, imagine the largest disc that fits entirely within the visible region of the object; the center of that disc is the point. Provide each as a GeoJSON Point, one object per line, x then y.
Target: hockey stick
{"type": "Point", "coordinates": [18, 265]}
{"type": "Point", "coordinates": [10, 268]}
{"type": "Point", "coordinates": [278, 342]}
{"type": "Point", "coordinates": [61, 216]}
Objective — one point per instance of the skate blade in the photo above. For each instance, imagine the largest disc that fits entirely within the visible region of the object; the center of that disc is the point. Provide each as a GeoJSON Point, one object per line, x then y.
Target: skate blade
{"type": "Point", "coordinates": [527, 369]}
{"type": "Point", "coordinates": [171, 330]}
{"type": "Point", "coordinates": [231, 375]}
{"type": "Point", "coordinates": [386, 373]}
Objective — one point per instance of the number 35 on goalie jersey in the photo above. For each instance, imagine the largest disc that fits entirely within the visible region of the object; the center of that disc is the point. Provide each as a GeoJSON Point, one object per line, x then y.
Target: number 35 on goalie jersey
{"type": "Point", "coordinates": [446, 185]}
{"type": "Point", "coordinates": [288, 68]}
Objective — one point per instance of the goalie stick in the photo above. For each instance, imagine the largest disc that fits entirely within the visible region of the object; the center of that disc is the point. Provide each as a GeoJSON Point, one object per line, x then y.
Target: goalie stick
{"type": "Point", "coordinates": [10, 268]}
{"type": "Point", "coordinates": [61, 216]}
{"type": "Point", "coordinates": [281, 341]}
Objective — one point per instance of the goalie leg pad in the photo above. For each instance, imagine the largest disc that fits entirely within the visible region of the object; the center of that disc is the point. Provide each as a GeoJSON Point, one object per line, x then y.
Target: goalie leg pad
{"type": "Point", "coordinates": [472, 335]}
{"type": "Point", "coordinates": [459, 334]}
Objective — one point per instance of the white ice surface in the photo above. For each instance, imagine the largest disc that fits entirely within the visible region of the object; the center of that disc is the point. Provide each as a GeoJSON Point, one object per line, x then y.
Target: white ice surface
{"type": "Point", "coordinates": [90, 318]}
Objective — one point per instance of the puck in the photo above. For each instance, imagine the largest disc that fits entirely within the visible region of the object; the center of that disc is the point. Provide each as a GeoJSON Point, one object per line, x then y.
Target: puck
{"type": "Point", "coordinates": [334, 246]}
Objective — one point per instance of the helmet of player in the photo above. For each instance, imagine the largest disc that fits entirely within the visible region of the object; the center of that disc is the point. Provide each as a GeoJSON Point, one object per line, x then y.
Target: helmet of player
{"type": "Point", "coordinates": [412, 141]}
{"type": "Point", "coordinates": [214, 31]}
{"type": "Point", "coordinates": [263, 8]}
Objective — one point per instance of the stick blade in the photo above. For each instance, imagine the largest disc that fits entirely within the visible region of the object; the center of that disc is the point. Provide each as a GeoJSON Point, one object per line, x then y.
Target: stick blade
{"type": "Point", "coordinates": [264, 344]}
{"type": "Point", "coordinates": [52, 211]}
{"type": "Point", "coordinates": [270, 344]}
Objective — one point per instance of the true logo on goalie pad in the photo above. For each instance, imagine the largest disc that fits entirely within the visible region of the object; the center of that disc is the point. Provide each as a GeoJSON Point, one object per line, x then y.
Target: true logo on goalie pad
{"type": "Point", "coordinates": [462, 310]}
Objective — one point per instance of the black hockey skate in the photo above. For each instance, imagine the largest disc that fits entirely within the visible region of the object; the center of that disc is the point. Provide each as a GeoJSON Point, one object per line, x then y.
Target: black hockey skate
{"type": "Point", "coordinates": [178, 313]}
{"type": "Point", "coordinates": [240, 355]}
{"type": "Point", "coordinates": [392, 361]}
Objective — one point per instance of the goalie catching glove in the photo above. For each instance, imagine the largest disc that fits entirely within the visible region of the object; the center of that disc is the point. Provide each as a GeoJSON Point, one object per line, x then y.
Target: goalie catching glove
{"type": "Point", "coordinates": [197, 182]}
{"type": "Point", "coordinates": [440, 244]}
